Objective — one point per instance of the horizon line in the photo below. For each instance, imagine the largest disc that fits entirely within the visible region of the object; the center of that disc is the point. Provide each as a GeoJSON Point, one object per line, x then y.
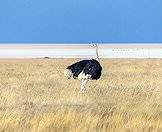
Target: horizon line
{"type": "Point", "coordinates": [78, 45]}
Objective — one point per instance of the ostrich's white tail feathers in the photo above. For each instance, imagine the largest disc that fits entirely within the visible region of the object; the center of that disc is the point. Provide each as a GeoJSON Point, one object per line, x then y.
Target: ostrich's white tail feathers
{"type": "Point", "coordinates": [67, 73]}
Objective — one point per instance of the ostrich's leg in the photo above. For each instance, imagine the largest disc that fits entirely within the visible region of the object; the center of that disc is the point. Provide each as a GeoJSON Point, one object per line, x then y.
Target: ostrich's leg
{"type": "Point", "coordinates": [83, 84]}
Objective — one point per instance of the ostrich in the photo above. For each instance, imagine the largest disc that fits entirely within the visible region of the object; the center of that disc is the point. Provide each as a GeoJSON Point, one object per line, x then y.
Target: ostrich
{"type": "Point", "coordinates": [84, 71]}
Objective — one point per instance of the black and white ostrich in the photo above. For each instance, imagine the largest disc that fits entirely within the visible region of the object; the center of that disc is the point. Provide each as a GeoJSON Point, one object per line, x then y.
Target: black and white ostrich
{"type": "Point", "coordinates": [84, 71]}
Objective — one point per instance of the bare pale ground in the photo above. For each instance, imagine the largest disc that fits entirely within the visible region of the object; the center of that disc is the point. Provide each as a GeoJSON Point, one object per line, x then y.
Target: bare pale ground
{"type": "Point", "coordinates": [35, 97]}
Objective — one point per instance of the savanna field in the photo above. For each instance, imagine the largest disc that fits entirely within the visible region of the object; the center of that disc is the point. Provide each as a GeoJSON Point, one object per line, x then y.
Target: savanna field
{"type": "Point", "coordinates": [35, 97]}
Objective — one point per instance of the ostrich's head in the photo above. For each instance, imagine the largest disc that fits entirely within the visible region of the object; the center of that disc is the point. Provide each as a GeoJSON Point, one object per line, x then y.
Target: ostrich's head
{"type": "Point", "coordinates": [68, 73]}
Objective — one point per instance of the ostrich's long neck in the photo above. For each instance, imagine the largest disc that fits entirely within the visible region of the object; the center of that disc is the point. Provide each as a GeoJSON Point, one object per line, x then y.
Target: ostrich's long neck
{"type": "Point", "coordinates": [97, 56]}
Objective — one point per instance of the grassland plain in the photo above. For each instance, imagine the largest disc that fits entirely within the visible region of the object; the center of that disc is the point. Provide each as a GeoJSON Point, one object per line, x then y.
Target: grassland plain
{"type": "Point", "coordinates": [35, 97]}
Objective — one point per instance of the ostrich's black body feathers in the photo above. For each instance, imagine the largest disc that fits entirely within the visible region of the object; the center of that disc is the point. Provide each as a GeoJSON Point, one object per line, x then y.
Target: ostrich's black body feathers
{"type": "Point", "coordinates": [91, 67]}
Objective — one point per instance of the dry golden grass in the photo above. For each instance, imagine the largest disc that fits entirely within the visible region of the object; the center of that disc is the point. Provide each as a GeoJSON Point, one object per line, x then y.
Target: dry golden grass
{"type": "Point", "coordinates": [35, 97]}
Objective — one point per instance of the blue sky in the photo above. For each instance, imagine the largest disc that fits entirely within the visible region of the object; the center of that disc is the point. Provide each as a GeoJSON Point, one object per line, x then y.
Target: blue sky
{"type": "Point", "coordinates": [80, 21]}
